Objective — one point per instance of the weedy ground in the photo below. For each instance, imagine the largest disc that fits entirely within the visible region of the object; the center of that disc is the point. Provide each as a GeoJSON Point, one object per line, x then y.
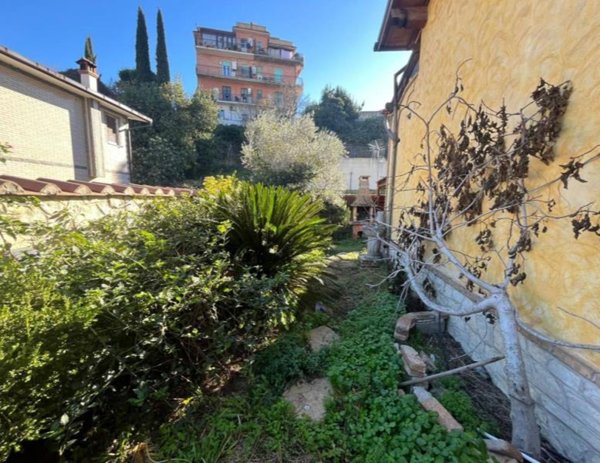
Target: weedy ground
{"type": "Point", "coordinates": [366, 420]}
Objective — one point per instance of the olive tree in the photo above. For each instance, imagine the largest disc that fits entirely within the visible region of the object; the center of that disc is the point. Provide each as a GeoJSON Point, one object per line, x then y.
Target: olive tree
{"type": "Point", "coordinates": [293, 152]}
{"type": "Point", "coordinates": [469, 205]}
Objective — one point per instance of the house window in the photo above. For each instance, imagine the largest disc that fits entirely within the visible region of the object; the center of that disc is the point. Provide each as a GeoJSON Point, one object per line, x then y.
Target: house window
{"type": "Point", "coordinates": [112, 129]}
{"type": "Point", "coordinates": [226, 68]}
{"type": "Point", "coordinates": [245, 94]}
{"type": "Point", "coordinates": [259, 94]}
{"type": "Point", "coordinates": [278, 75]}
{"type": "Point", "coordinates": [209, 40]}
{"type": "Point", "coordinates": [221, 114]}
{"type": "Point", "coordinates": [278, 98]}
{"type": "Point", "coordinates": [245, 71]}
{"type": "Point", "coordinates": [226, 93]}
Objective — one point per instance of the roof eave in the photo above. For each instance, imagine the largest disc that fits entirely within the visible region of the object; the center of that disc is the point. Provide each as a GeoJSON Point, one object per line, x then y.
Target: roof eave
{"type": "Point", "coordinates": [402, 25]}
{"type": "Point", "coordinates": [46, 74]}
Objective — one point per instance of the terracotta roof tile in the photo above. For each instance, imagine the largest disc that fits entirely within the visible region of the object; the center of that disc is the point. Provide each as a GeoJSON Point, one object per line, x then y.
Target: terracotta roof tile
{"type": "Point", "coordinates": [8, 187]}
{"type": "Point", "coordinates": [68, 187]}
{"type": "Point", "coordinates": [96, 187]}
{"type": "Point", "coordinates": [11, 185]}
{"type": "Point", "coordinates": [35, 186]}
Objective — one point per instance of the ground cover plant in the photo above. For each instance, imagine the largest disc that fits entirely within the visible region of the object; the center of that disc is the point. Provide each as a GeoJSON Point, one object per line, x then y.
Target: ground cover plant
{"type": "Point", "coordinates": [366, 420]}
{"type": "Point", "coordinates": [103, 328]}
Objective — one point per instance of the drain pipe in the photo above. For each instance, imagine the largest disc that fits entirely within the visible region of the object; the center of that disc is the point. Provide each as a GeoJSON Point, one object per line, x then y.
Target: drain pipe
{"type": "Point", "coordinates": [393, 134]}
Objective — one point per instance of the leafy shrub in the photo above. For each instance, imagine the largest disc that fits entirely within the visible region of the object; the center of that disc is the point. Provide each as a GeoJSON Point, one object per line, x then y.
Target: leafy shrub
{"type": "Point", "coordinates": [277, 232]}
{"type": "Point", "coordinates": [285, 361]}
{"type": "Point", "coordinates": [101, 324]}
{"type": "Point", "coordinates": [460, 405]}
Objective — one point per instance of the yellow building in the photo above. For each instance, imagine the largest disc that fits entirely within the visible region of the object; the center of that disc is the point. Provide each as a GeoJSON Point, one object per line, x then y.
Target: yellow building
{"type": "Point", "coordinates": [501, 49]}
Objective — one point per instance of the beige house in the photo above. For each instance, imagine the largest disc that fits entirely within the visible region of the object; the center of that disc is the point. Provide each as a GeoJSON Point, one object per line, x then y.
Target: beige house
{"type": "Point", "coordinates": [59, 128]}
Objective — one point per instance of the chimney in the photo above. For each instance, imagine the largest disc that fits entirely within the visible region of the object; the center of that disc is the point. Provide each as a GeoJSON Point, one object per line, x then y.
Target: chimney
{"type": "Point", "coordinates": [363, 185]}
{"type": "Point", "coordinates": [87, 74]}
{"type": "Point", "coordinates": [363, 197]}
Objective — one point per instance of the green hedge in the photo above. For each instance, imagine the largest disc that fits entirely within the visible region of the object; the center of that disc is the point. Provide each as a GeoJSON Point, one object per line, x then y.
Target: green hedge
{"type": "Point", "coordinates": [101, 328]}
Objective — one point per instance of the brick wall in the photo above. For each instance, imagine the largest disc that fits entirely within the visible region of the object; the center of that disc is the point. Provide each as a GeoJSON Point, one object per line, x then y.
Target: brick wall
{"type": "Point", "coordinates": [45, 127]}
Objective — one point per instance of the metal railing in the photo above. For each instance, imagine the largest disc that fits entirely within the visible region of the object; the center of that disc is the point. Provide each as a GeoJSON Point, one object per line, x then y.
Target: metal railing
{"type": "Point", "coordinates": [275, 53]}
{"type": "Point", "coordinates": [238, 98]}
{"type": "Point", "coordinates": [248, 73]}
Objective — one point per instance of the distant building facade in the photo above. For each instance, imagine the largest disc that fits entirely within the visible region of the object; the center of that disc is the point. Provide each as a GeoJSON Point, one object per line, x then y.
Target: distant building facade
{"type": "Point", "coordinates": [368, 160]}
{"type": "Point", "coordinates": [246, 68]}
{"type": "Point", "coordinates": [60, 128]}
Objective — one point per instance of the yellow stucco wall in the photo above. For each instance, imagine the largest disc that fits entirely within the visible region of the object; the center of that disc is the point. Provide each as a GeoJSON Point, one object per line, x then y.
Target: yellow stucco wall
{"type": "Point", "coordinates": [509, 45]}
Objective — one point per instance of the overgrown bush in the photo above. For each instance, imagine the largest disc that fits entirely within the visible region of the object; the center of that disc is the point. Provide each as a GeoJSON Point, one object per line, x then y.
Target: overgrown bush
{"type": "Point", "coordinates": [101, 328]}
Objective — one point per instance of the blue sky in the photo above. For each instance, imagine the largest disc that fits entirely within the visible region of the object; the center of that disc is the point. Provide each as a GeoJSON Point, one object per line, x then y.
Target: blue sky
{"type": "Point", "coordinates": [336, 37]}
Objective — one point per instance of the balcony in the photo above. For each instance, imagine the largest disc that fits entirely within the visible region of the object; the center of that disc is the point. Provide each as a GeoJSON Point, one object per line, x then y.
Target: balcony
{"type": "Point", "coordinates": [237, 98]}
{"type": "Point", "coordinates": [270, 53]}
{"type": "Point", "coordinates": [247, 74]}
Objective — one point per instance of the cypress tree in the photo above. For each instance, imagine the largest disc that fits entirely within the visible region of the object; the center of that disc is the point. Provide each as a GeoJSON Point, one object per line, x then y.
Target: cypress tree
{"type": "Point", "coordinates": [142, 53]}
{"type": "Point", "coordinates": [162, 61]}
{"type": "Point", "coordinates": [88, 52]}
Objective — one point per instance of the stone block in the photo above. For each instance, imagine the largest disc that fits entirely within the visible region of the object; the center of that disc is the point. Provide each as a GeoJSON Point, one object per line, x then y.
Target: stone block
{"type": "Point", "coordinates": [308, 398]}
{"type": "Point", "coordinates": [413, 363]}
{"type": "Point", "coordinates": [320, 337]}
{"type": "Point", "coordinates": [504, 449]}
{"type": "Point", "coordinates": [403, 327]}
{"type": "Point", "coordinates": [430, 403]}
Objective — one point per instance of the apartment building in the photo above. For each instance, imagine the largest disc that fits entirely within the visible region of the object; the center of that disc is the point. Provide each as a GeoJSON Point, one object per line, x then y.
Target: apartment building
{"type": "Point", "coordinates": [245, 69]}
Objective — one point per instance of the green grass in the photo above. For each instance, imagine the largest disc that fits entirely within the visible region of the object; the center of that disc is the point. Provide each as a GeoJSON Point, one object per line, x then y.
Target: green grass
{"type": "Point", "coordinates": [347, 245]}
{"type": "Point", "coordinates": [367, 421]}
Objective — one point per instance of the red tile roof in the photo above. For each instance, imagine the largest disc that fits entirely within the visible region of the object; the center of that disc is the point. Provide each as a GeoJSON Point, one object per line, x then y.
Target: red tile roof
{"type": "Point", "coordinates": [10, 185]}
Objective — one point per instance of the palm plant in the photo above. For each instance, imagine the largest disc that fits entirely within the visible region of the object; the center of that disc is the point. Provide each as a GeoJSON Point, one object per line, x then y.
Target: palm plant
{"type": "Point", "coordinates": [278, 232]}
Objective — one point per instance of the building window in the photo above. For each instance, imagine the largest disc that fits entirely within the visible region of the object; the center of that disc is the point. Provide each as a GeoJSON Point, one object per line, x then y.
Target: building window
{"type": "Point", "coordinates": [209, 40]}
{"type": "Point", "coordinates": [221, 114]}
{"type": "Point", "coordinates": [112, 129]}
{"type": "Point", "coordinates": [278, 99]}
{"type": "Point", "coordinates": [259, 94]}
{"type": "Point", "coordinates": [226, 68]}
{"type": "Point", "coordinates": [278, 75]}
{"type": "Point", "coordinates": [226, 93]}
{"type": "Point", "coordinates": [245, 71]}
{"type": "Point", "coordinates": [246, 94]}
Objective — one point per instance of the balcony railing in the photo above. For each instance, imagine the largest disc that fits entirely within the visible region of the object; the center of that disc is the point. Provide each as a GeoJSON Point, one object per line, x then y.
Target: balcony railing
{"type": "Point", "coordinates": [238, 98]}
{"type": "Point", "coordinates": [247, 73]}
{"type": "Point", "coordinates": [276, 53]}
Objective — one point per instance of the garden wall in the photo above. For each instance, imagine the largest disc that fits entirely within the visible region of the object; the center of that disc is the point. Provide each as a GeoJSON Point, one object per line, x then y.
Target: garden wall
{"type": "Point", "coordinates": [566, 388]}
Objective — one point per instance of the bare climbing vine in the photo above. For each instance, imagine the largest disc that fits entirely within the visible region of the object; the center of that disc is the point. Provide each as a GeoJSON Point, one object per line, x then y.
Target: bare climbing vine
{"type": "Point", "coordinates": [477, 178]}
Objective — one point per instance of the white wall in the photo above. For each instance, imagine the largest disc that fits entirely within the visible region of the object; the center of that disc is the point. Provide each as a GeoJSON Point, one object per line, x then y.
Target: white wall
{"type": "Point", "coordinates": [353, 168]}
{"type": "Point", "coordinates": [116, 165]}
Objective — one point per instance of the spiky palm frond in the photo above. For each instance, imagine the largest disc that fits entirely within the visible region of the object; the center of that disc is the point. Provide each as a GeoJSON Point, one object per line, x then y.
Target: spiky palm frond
{"type": "Point", "coordinates": [277, 231]}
